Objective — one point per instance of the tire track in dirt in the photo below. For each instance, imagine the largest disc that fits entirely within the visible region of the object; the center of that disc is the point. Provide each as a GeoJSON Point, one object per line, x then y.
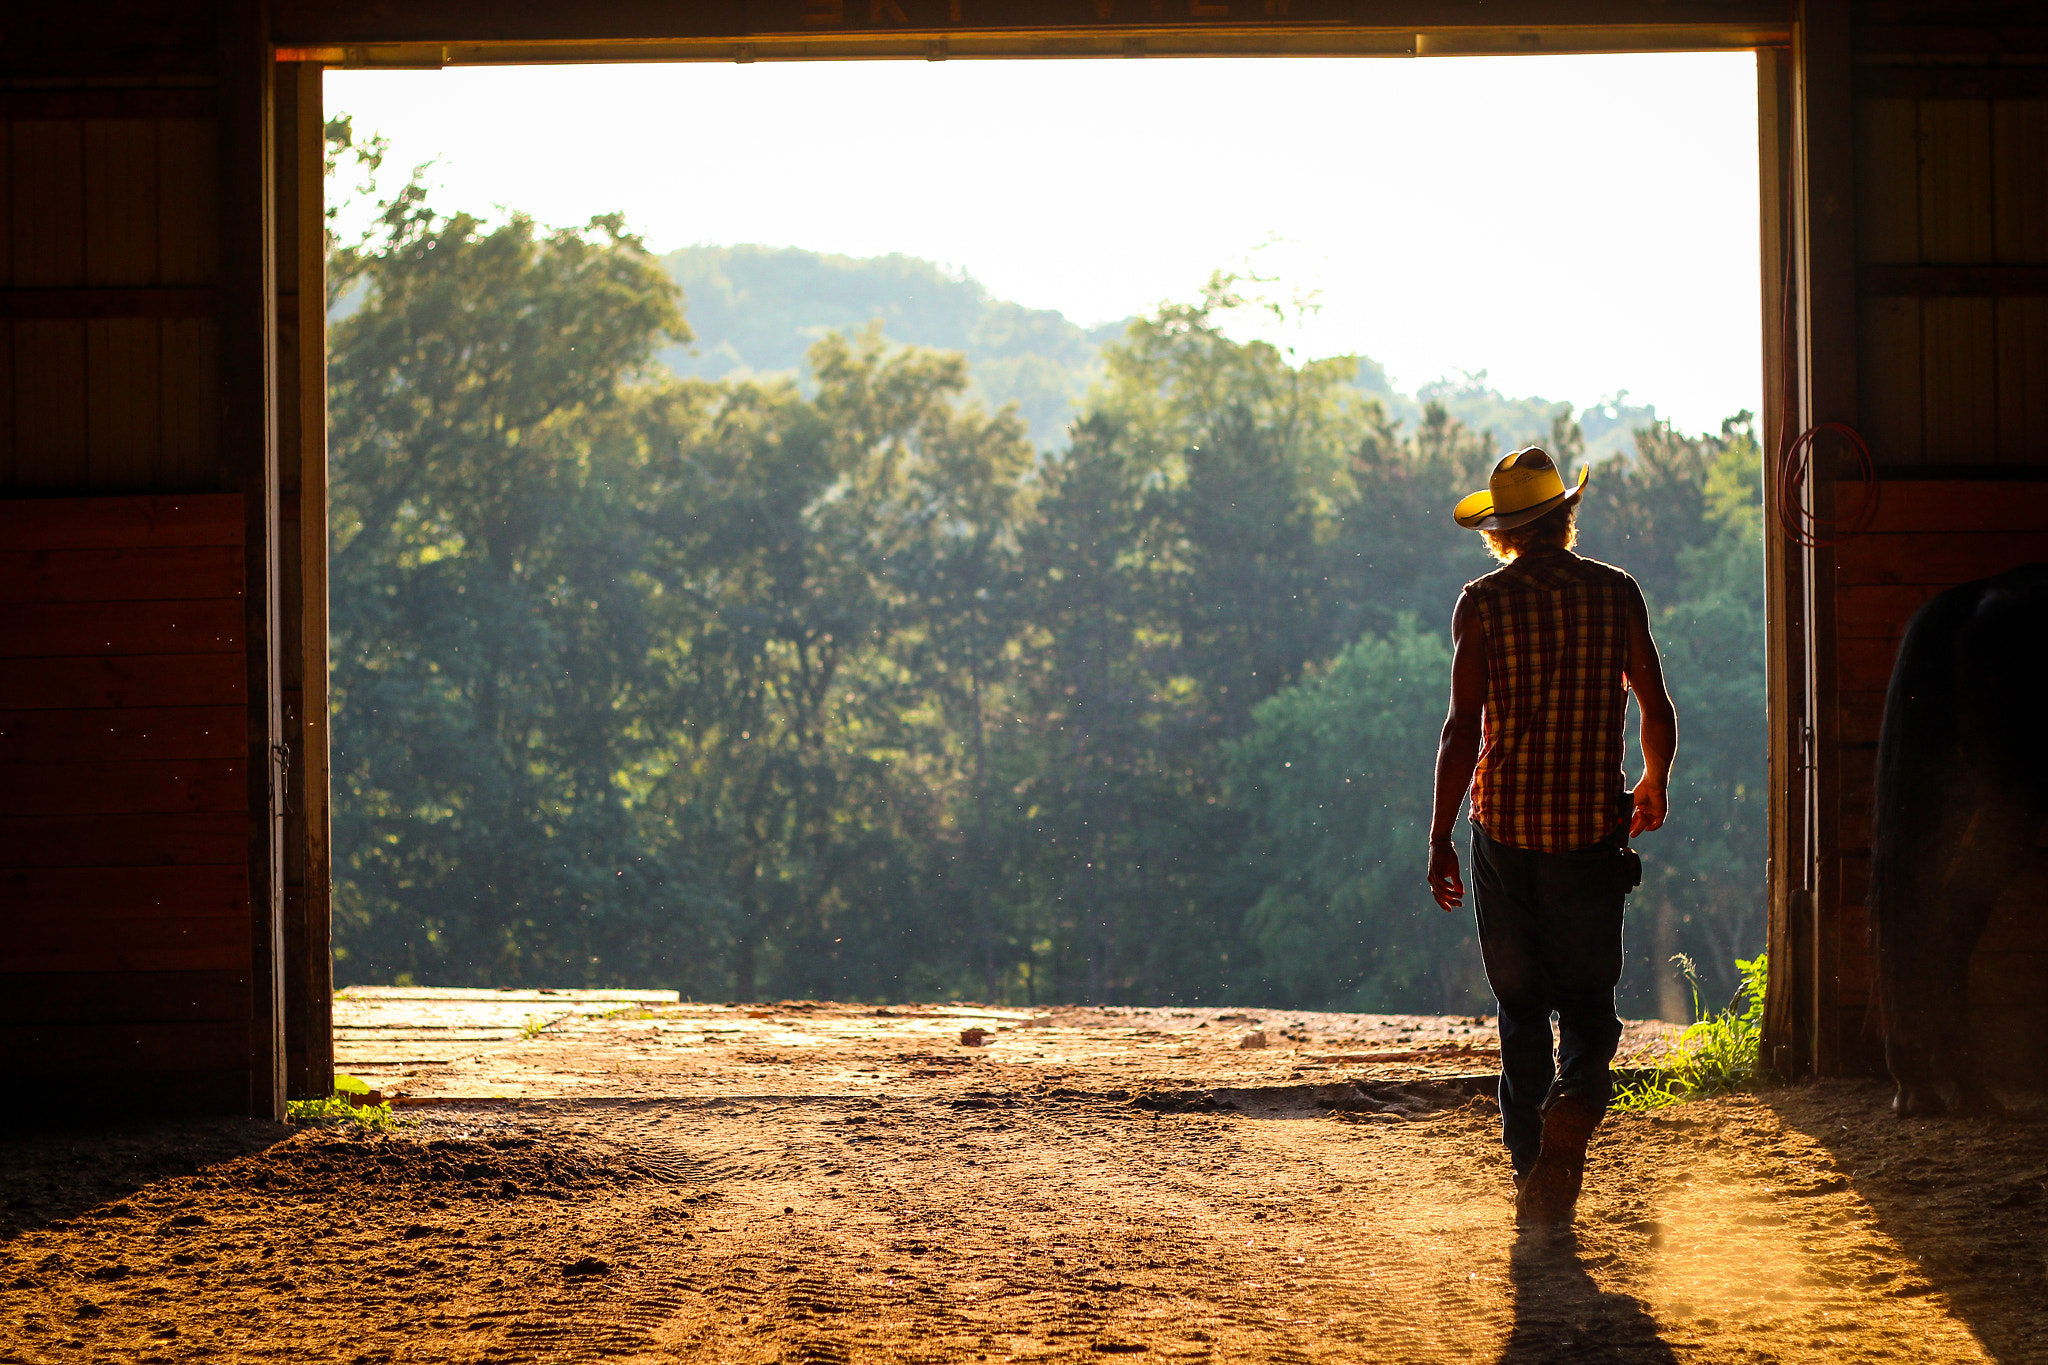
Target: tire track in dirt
{"type": "Point", "coordinates": [1057, 1232]}
{"type": "Point", "coordinates": [1143, 1229]}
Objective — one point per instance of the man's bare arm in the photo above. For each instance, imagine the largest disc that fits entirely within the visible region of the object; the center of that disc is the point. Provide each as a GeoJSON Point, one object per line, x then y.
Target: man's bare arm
{"type": "Point", "coordinates": [1660, 720]}
{"type": "Point", "coordinates": [1457, 753]}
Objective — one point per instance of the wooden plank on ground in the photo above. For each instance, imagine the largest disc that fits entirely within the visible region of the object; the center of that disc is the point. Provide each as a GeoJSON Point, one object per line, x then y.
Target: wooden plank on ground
{"type": "Point", "coordinates": [145, 680]}
{"type": "Point", "coordinates": [125, 893]}
{"type": "Point", "coordinates": [1937, 558]}
{"type": "Point", "coordinates": [205, 839]}
{"type": "Point", "coordinates": [84, 1049]}
{"type": "Point", "coordinates": [205, 625]}
{"type": "Point", "coordinates": [144, 945]}
{"type": "Point", "coordinates": [142, 732]}
{"type": "Point", "coordinates": [122, 997]}
{"type": "Point", "coordinates": [114, 523]}
{"type": "Point", "coordinates": [124, 788]}
{"type": "Point", "coordinates": [120, 575]}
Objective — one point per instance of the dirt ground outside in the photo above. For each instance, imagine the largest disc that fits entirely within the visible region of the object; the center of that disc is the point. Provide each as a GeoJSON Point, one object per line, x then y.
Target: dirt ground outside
{"type": "Point", "coordinates": [588, 1177]}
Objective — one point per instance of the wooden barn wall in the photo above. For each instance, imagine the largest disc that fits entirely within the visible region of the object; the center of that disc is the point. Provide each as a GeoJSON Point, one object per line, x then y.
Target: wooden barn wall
{"type": "Point", "coordinates": [125, 965]}
{"type": "Point", "coordinates": [1947, 283]}
{"type": "Point", "coordinates": [139, 595]}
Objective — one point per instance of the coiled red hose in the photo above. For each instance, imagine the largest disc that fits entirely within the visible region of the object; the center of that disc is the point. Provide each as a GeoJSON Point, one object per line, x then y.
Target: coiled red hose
{"type": "Point", "coordinates": [1803, 527]}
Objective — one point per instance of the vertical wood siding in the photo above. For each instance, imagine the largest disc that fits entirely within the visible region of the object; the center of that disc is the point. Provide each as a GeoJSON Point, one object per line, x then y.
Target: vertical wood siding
{"type": "Point", "coordinates": [1943, 180]}
{"type": "Point", "coordinates": [98, 403]}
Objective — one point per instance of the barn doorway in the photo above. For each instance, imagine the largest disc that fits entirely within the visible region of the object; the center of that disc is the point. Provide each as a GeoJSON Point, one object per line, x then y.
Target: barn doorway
{"type": "Point", "coordinates": [1034, 927]}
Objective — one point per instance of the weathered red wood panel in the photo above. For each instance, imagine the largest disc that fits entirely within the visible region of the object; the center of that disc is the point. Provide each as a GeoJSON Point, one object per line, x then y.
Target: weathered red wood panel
{"type": "Point", "coordinates": [125, 788]}
{"type": "Point", "coordinates": [195, 626]}
{"type": "Point", "coordinates": [157, 1047]}
{"type": "Point", "coordinates": [1935, 558]}
{"type": "Point", "coordinates": [157, 945]}
{"type": "Point", "coordinates": [161, 733]}
{"type": "Point", "coordinates": [1861, 716]}
{"type": "Point", "coordinates": [102, 893]}
{"type": "Point", "coordinates": [124, 783]}
{"type": "Point", "coordinates": [124, 840]}
{"type": "Point", "coordinates": [115, 575]}
{"type": "Point", "coordinates": [1971, 506]}
{"type": "Point", "coordinates": [121, 523]}
{"type": "Point", "coordinates": [120, 997]}
{"type": "Point", "coordinates": [1865, 664]}
{"type": "Point", "coordinates": [135, 681]}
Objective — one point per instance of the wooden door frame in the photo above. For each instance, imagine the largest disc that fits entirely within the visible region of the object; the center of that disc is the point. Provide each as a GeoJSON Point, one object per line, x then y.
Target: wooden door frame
{"type": "Point", "coordinates": [1805, 313]}
{"type": "Point", "coordinates": [299, 222]}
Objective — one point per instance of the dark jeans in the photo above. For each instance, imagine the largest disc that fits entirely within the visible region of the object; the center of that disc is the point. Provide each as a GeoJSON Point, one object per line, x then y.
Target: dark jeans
{"type": "Point", "coordinates": [1550, 931]}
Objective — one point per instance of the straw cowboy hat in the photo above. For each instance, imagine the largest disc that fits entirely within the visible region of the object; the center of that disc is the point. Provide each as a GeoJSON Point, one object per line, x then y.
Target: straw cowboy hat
{"type": "Point", "coordinates": [1524, 485]}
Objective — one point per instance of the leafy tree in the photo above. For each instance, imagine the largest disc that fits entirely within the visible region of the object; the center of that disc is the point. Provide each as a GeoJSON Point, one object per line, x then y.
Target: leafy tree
{"type": "Point", "coordinates": [487, 627]}
{"type": "Point", "coordinates": [1705, 892]}
{"type": "Point", "coordinates": [1335, 774]}
{"type": "Point", "coordinates": [835, 551]}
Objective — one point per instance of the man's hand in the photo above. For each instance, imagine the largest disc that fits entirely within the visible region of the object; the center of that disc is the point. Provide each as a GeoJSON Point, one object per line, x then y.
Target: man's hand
{"type": "Point", "coordinates": [1660, 722]}
{"type": "Point", "coordinates": [1446, 883]}
{"type": "Point", "coordinates": [1650, 805]}
{"type": "Point", "coordinates": [1457, 753]}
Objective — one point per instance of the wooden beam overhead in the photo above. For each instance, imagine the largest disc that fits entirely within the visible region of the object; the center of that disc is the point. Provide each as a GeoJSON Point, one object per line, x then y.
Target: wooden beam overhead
{"type": "Point", "coordinates": [460, 32]}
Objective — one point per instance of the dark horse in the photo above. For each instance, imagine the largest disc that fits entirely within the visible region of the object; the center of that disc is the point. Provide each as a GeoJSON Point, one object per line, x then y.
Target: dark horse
{"type": "Point", "coordinates": [1962, 794]}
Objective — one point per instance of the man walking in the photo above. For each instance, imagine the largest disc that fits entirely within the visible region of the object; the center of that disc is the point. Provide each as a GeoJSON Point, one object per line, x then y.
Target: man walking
{"type": "Point", "coordinates": [1545, 651]}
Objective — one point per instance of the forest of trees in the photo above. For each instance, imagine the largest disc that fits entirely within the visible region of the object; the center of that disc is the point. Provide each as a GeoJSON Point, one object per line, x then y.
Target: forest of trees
{"type": "Point", "coordinates": [757, 689]}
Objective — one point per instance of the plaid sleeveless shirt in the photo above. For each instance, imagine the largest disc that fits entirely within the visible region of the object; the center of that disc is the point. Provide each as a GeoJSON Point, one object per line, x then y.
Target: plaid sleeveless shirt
{"type": "Point", "coordinates": [1550, 758]}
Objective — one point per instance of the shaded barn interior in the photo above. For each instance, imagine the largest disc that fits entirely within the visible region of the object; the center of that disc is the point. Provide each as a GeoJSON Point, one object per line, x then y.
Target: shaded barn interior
{"type": "Point", "coordinates": [163, 748]}
{"type": "Point", "coordinates": [1943, 271]}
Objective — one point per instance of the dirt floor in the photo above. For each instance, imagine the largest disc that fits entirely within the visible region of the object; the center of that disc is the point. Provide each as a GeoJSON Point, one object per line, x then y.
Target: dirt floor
{"type": "Point", "coordinates": [613, 1179]}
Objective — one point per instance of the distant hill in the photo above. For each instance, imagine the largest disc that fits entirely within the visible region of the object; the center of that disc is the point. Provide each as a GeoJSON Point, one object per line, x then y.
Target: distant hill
{"type": "Point", "coordinates": [756, 310]}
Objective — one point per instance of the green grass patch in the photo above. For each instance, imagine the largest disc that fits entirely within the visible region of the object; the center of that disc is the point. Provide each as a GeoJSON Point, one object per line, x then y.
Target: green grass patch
{"type": "Point", "coordinates": [536, 1025]}
{"type": "Point", "coordinates": [337, 1110]}
{"type": "Point", "coordinates": [1716, 1054]}
{"type": "Point", "coordinates": [348, 1104]}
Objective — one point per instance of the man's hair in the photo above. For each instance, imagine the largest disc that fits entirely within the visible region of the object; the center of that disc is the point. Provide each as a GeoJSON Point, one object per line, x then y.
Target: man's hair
{"type": "Point", "coordinates": [1557, 529]}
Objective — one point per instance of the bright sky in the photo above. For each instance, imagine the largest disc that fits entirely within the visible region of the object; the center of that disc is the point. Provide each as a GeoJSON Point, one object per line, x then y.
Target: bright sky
{"type": "Point", "coordinates": [1572, 225]}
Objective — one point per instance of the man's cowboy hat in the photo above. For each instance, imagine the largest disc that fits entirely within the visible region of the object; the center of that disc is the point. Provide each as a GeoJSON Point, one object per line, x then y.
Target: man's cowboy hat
{"type": "Point", "coordinates": [1524, 485]}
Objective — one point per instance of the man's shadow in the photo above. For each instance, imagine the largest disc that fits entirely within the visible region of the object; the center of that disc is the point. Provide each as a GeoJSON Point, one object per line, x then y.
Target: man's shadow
{"type": "Point", "coordinates": [1563, 1318]}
